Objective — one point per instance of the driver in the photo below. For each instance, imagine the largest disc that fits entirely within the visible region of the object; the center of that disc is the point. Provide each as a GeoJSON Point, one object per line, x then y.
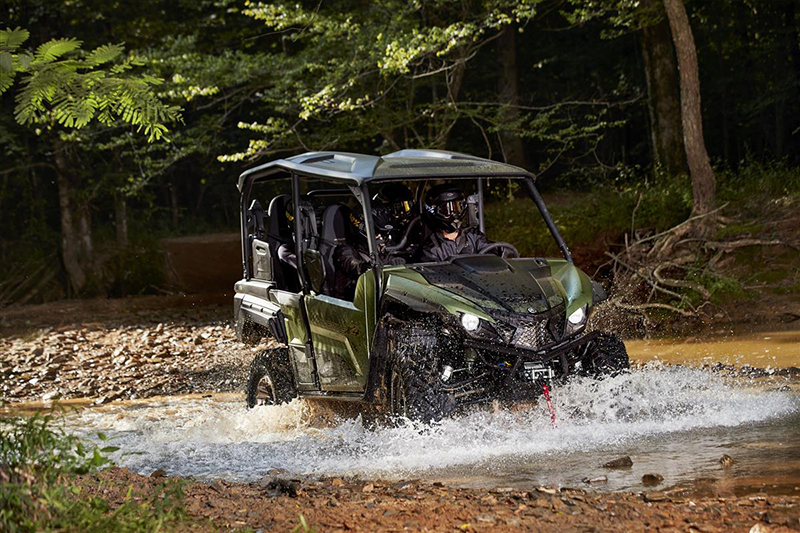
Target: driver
{"type": "Point", "coordinates": [446, 209]}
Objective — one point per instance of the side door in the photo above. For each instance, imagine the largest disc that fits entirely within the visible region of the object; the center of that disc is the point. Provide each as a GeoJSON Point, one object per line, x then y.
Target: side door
{"type": "Point", "coordinates": [272, 292]}
{"type": "Point", "coordinates": [341, 333]}
{"type": "Point", "coordinates": [297, 337]}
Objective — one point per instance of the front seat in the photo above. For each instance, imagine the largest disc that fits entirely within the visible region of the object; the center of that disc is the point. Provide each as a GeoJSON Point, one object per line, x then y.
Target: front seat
{"type": "Point", "coordinates": [334, 233]}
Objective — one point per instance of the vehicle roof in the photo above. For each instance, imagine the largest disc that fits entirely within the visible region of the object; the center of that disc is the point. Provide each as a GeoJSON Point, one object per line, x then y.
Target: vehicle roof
{"type": "Point", "coordinates": [355, 169]}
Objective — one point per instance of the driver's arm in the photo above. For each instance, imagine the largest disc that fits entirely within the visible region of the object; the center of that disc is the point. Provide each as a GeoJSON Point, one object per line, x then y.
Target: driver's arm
{"type": "Point", "coordinates": [480, 241]}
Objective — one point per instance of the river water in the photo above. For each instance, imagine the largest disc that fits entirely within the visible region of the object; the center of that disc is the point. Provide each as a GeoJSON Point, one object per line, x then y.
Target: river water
{"type": "Point", "coordinates": [672, 420]}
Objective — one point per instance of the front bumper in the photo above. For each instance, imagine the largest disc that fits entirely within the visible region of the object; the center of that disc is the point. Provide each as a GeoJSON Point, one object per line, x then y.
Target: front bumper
{"type": "Point", "coordinates": [502, 373]}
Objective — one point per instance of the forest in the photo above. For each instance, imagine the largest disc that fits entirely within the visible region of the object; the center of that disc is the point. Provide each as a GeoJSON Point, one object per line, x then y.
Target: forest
{"type": "Point", "coordinates": [125, 123]}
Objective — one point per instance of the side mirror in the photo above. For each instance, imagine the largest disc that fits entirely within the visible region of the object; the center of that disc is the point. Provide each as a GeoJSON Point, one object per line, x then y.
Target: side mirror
{"type": "Point", "coordinates": [315, 269]}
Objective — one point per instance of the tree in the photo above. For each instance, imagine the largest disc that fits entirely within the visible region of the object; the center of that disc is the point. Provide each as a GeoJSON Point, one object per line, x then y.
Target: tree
{"type": "Point", "coordinates": [63, 88]}
{"type": "Point", "coordinates": [703, 181]}
{"type": "Point", "coordinates": [508, 93]}
{"type": "Point", "coordinates": [663, 90]}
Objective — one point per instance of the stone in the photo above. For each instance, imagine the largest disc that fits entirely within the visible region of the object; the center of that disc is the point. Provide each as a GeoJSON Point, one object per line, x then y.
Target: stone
{"type": "Point", "coordinates": [652, 479]}
{"type": "Point", "coordinates": [279, 487]}
{"type": "Point", "coordinates": [598, 479]}
{"type": "Point", "coordinates": [620, 462]}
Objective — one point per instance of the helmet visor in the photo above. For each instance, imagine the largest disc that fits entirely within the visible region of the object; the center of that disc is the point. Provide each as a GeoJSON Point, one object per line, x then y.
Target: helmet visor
{"type": "Point", "coordinates": [451, 209]}
{"type": "Point", "coordinates": [401, 208]}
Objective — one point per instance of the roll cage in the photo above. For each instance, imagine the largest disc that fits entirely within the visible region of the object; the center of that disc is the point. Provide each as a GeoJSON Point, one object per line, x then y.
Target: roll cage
{"type": "Point", "coordinates": [356, 173]}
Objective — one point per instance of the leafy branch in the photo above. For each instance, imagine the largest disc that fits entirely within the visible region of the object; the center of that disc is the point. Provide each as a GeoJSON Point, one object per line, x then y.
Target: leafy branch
{"type": "Point", "coordinates": [62, 84]}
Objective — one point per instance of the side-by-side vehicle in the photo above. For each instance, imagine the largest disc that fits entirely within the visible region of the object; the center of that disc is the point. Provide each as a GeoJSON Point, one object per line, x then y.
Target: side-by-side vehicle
{"type": "Point", "coordinates": [417, 338]}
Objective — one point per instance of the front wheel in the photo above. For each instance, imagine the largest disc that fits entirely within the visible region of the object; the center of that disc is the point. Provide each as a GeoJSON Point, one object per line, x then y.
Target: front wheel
{"type": "Point", "coordinates": [605, 356]}
{"type": "Point", "coordinates": [270, 381]}
{"type": "Point", "coordinates": [413, 386]}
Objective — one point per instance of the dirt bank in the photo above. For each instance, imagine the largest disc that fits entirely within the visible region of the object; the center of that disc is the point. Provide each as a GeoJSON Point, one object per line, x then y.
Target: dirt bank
{"type": "Point", "coordinates": [120, 349]}
{"type": "Point", "coordinates": [275, 504]}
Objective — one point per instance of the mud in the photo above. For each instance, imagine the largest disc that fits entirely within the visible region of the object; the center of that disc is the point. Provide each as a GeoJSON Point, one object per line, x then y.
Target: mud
{"type": "Point", "coordinates": [352, 504]}
{"type": "Point", "coordinates": [109, 350]}
{"type": "Point", "coordinates": [766, 349]}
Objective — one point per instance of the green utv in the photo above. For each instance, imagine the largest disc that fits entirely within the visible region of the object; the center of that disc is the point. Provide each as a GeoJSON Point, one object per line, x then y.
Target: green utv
{"type": "Point", "coordinates": [411, 338]}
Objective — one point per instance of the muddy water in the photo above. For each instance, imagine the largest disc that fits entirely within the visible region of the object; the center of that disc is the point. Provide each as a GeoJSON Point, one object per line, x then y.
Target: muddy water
{"type": "Point", "coordinates": [779, 349]}
{"type": "Point", "coordinates": [675, 421]}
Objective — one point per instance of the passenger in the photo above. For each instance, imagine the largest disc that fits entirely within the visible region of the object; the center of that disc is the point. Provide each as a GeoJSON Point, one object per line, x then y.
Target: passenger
{"type": "Point", "coordinates": [446, 210]}
{"type": "Point", "coordinates": [286, 251]}
{"type": "Point", "coordinates": [399, 203]}
{"type": "Point", "coordinates": [351, 258]}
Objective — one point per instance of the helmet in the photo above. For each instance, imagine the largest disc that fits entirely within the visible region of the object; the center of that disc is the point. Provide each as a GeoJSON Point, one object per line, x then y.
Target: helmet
{"type": "Point", "coordinates": [446, 207]}
{"type": "Point", "coordinates": [382, 220]}
{"type": "Point", "coordinates": [398, 201]}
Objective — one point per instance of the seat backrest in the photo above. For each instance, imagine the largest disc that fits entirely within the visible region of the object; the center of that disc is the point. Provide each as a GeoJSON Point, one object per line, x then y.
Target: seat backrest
{"type": "Point", "coordinates": [279, 231]}
{"type": "Point", "coordinates": [308, 223]}
{"type": "Point", "coordinates": [279, 226]}
{"type": "Point", "coordinates": [333, 233]}
{"type": "Point", "coordinates": [256, 218]}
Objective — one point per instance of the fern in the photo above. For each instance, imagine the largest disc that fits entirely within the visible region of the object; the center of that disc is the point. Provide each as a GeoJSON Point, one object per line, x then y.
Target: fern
{"type": "Point", "coordinates": [10, 39]}
{"type": "Point", "coordinates": [73, 91]}
{"type": "Point", "coordinates": [52, 50]}
{"type": "Point", "coordinates": [104, 54]}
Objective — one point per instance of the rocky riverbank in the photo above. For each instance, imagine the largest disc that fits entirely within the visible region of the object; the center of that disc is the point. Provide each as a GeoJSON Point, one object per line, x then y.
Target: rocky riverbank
{"type": "Point", "coordinates": [352, 504]}
{"type": "Point", "coordinates": [107, 350]}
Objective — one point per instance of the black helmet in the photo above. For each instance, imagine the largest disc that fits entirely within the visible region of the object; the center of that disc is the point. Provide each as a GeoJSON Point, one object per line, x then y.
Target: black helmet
{"type": "Point", "coordinates": [398, 201]}
{"type": "Point", "coordinates": [381, 219]}
{"type": "Point", "coordinates": [446, 207]}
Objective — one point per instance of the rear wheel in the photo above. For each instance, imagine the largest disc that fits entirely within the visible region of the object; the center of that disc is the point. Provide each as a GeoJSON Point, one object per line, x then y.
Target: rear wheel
{"type": "Point", "coordinates": [605, 356]}
{"type": "Point", "coordinates": [414, 389]}
{"type": "Point", "coordinates": [270, 381]}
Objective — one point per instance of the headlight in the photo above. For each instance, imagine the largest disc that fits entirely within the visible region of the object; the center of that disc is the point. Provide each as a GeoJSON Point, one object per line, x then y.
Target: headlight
{"type": "Point", "coordinates": [577, 317]}
{"type": "Point", "coordinates": [470, 322]}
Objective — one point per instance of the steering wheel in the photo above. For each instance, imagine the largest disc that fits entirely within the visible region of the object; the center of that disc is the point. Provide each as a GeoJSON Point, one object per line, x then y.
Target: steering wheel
{"type": "Point", "coordinates": [508, 249]}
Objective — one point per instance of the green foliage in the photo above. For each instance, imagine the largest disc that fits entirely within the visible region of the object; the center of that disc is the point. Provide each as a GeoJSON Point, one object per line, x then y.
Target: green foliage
{"type": "Point", "coordinates": [584, 219]}
{"type": "Point", "coordinates": [38, 463]}
{"type": "Point", "coordinates": [303, 526]}
{"type": "Point", "coordinates": [71, 92]}
{"type": "Point", "coordinates": [261, 80]}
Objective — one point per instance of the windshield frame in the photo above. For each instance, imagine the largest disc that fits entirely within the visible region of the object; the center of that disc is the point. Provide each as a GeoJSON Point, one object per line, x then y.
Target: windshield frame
{"type": "Point", "coordinates": [530, 189]}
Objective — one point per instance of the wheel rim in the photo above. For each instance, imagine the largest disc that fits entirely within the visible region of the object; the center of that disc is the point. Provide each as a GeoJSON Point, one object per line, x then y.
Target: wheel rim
{"type": "Point", "coordinates": [265, 391]}
{"type": "Point", "coordinates": [399, 404]}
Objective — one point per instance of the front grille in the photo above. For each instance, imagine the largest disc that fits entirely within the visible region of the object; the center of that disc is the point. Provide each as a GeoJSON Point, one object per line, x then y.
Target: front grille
{"type": "Point", "coordinates": [533, 335]}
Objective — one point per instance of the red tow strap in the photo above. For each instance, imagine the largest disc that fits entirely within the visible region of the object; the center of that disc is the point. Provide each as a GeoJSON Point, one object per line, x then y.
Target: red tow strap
{"type": "Point", "coordinates": [546, 390]}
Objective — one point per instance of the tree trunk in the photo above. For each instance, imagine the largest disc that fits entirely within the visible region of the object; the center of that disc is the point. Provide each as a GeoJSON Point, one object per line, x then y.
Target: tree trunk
{"type": "Point", "coordinates": [703, 181]}
{"type": "Point", "coordinates": [173, 200]}
{"type": "Point", "coordinates": [508, 92]}
{"type": "Point", "coordinates": [663, 91]}
{"type": "Point", "coordinates": [121, 219]}
{"type": "Point", "coordinates": [71, 244]}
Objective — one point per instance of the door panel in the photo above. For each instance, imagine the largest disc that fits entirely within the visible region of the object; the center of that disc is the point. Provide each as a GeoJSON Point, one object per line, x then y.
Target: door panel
{"type": "Point", "coordinates": [341, 332]}
{"type": "Point", "coordinates": [297, 335]}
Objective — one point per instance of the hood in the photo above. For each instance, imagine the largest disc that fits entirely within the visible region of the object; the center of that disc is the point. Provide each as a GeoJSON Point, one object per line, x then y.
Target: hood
{"type": "Point", "coordinates": [491, 282]}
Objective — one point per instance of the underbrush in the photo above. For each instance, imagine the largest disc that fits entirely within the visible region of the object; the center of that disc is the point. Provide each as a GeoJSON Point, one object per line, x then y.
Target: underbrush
{"type": "Point", "coordinates": [643, 204]}
{"type": "Point", "coordinates": [754, 253]}
{"type": "Point", "coordinates": [604, 212]}
{"type": "Point", "coordinates": [38, 489]}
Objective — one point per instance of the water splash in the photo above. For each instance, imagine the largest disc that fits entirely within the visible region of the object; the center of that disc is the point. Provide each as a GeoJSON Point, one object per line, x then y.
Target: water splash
{"type": "Point", "coordinates": [213, 438]}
